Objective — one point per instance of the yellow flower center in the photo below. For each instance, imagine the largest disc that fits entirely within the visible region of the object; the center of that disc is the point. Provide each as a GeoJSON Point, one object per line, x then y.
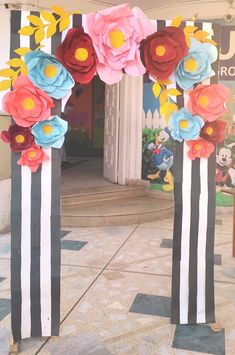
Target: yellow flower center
{"type": "Point", "coordinates": [50, 71]}
{"type": "Point", "coordinates": [19, 138]}
{"type": "Point", "coordinates": [81, 54]}
{"type": "Point", "coordinates": [32, 154]}
{"type": "Point", "coordinates": [116, 38]}
{"type": "Point", "coordinates": [209, 131]}
{"type": "Point", "coordinates": [198, 146]}
{"type": "Point", "coordinates": [183, 124]}
{"type": "Point", "coordinates": [203, 101]}
{"type": "Point", "coordinates": [190, 64]}
{"type": "Point", "coordinates": [160, 51]}
{"type": "Point", "coordinates": [47, 129]}
{"type": "Point", "coordinates": [28, 103]}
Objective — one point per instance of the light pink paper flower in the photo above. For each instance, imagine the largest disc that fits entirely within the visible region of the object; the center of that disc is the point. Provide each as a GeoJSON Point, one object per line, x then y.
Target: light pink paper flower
{"type": "Point", "coordinates": [26, 103]}
{"type": "Point", "coordinates": [116, 33]}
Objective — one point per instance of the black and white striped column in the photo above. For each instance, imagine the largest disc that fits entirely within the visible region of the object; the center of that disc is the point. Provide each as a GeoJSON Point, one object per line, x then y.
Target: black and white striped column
{"type": "Point", "coordinates": [193, 241]}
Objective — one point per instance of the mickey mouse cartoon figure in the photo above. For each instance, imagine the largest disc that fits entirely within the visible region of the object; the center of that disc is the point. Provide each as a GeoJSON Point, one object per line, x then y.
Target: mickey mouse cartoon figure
{"type": "Point", "coordinates": [225, 172]}
{"type": "Point", "coordinates": [162, 159]}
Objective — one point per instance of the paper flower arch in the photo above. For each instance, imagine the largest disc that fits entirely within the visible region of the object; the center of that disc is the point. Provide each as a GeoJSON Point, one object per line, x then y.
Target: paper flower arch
{"type": "Point", "coordinates": [111, 42]}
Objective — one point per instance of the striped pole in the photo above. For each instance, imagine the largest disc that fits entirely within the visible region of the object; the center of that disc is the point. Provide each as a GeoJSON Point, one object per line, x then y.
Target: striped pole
{"type": "Point", "coordinates": [193, 240]}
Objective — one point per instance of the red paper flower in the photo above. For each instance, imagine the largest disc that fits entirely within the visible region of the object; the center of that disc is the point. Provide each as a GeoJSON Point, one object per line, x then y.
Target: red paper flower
{"type": "Point", "coordinates": [32, 157]}
{"type": "Point", "coordinates": [163, 50]}
{"type": "Point", "coordinates": [26, 103]}
{"type": "Point", "coordinates": [77, 54]}
{"type": "Point", "coordinates": [20, 138]}
{"type": "Point", "coordinates": [208, 101]}
{"type": "Point", "coordinates": [214, 131]}
{"type": "Point", "coordinates": [200, 148]}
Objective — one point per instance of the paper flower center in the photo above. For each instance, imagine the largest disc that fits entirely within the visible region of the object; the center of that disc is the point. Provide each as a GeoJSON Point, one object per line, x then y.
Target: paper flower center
{"type": "Point", "coordinates": [209, 131]}
{"type": "Point", "coordinates": [190, 64]}
{"type": "Point", "coordinates": [32, 154]}
{"type": "Point", "coordinates": [81, 54]}
{"type": "Point", "coordinates": [28, 103]}
{"type": "Point", "coordinates": [20, 138]}
{"type": "Point", "coordinates": [50, 71]}
{"type": "Point", "coordinates": [47, 129]}
{"type": "Point", "coordinates": [203, 101]}
{"type": "Point", "coordinates": [198, 146]}
{"type": "Point", "coordinates": [116, 38]}
{"type": "Point", "coordinates": [160, 51]}
{"type": "Point", "coordinates": [183, 124]}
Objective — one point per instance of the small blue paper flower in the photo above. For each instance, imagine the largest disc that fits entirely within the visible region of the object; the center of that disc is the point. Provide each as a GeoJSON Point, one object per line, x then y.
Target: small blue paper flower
{"type": "Point", "coordinates": [48, 74]}
{"type": "Point", "coordinates": [50, 133]}
{"type": "Point", "coordinates": [185, 126]}
{"type": "Point", "coordinates": [196, 65]}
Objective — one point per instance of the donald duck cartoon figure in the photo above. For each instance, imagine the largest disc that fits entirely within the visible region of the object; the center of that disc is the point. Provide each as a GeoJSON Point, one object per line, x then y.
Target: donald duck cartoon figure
{"type": "Point", "coordinates": [162, 159]}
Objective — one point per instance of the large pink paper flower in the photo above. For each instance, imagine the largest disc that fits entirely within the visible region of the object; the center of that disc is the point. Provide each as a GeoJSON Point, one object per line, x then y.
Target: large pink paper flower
{"type": "Point", "coordinates": [208, 101]}
{"type": "Point", "coordinates": [116, 33]}
{"type": "Point", "coordinates": [26, 103]}
{"type": "Point", "coordinates": [33, 158]}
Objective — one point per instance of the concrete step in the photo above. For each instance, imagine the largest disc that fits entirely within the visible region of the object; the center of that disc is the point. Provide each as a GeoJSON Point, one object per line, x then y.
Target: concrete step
{"type": "Point", "coordinates": [98, 194]}
{"type": "Point", "coordinates": [123, 211]}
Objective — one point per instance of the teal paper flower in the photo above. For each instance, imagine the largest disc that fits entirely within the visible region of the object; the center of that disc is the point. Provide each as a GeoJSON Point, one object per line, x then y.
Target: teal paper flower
{"type": "Point", "coordinates": [50, 133]}
{"type": "Point", "coordinates": [185, 126]}
{"type": "Point", "coordinates": [48, 74]}
{"type": "Point", "coordinates": [196, 65]}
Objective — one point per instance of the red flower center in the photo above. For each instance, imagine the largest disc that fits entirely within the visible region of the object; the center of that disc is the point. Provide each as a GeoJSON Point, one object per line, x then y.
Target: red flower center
{"type": "Point", "coordinates": [81, 54]}
{"type": "Point", "coordinates": [198, 146]}
{"type": "Point", "coordinates": [19, 138]}
{"type": "Point", "coordinates": [203, 100]}
{"type": "Point", "coordinates": [160, 51]}
{"type": "Point", "coordinates": [31, 154]}
{"type": "Point", "coordinates": [209, 131]}
{"type": "Point", "coordinates": [28, 103]}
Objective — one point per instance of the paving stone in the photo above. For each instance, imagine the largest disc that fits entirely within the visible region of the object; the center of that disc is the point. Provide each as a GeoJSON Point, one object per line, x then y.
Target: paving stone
{"type": "Point", "coordinates": [113, 275]}
{"type": "Point", "coordinates": [5, 307]}
{"type": "Point", "coordinates": [151, 305]}
{"type": "Point", "coordinates": [72, 244]}
{"type": "Point", "coordinates": [199, 338]}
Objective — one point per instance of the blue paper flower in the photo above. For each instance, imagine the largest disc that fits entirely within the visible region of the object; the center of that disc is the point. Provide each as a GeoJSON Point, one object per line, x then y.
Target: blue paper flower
{"type": "Point", "coordinates": [50, 133]}
{"type": "Point", "coordinates": [48, 74]}
{"type": "Point", "coordinates": [196, 65]}
{"type": "Point", "coordinates": [185, 126]}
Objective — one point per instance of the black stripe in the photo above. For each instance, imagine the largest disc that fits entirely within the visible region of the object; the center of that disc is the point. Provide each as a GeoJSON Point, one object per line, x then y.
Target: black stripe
{"type": "Point", "coordinates": [210, 299]}
{"type": "Point", "coordinates": [35, 294]}
{"type": "Point", "coordinates": [195, 195]}
{"type": "Point", "coordinates": [161, 24]}
{"type": "Point", "coordinates": [77, 20]}
{"type": "Point", "coordinates": [55, 218]}
{"type": "Point", "coordinates": [16, 296]}
{"type": "Point", "coordinates": [56, 39]}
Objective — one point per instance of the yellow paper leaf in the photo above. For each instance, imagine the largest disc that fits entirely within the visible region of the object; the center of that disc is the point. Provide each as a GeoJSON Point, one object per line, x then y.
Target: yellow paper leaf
{"type": "Point", "coordinates": [6, 73]}
{"type": "Point", "coordinates": [187, 39]}
{"type": "Point", "coordinates": [164, 108]}
{"type": "Point", "coordinates": [5, 84]}
{"type": "Point", "coordinates": [22, 51]}
{"type": "Point", "coordinates": [170, 109]}
{"type": "Point", "coordinates": [16, 63]}
{"type": "Point", "coordinates": [48, 16]}
{"type": "Point", "coordinates": [27, 30]}
{"type": "Point", "coordinates": [156, 89]}
{"type": "Point", "coordinates": [201, 34]}
{"type": "Point", "coordinates": [39, 35]}
{"type": "Point", "coordinates": [64, 23]}
{"type": "Point", "coordinates": [190, 29]}
{"type": "Point", "coordinates": [51, 30]}
{"type": "Point", "coordinates": [173, 92]}
{"type": "Point", "coordinates": [58, 10]}
{"type": "Point", "coordinates": [208, 40]}
{"type": "Point", "coordinates": [164, 82]}
{"type": "Point", "coordinates": [35, 20]}
{"type": "Point", "coordinates": [163, 97]}
{"type": "Point", "coordinates": [176, 22]}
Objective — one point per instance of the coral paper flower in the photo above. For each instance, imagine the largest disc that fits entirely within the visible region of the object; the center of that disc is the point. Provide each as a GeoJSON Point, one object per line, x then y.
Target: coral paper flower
{"type": "Point", "coordinates": [77, 54]}
{"type": "Point", "coordinates": [50, 133]}
{"type": "Point", "coordinates": [214, 131]}
{"type": "Point", "coordinates": [200, 148]}
{"type": "Point", "coordinates": [185, 126]}
{"type": "Point", "coordinates": [20, 138]}
{"type": "Point", "coordinates": [116, 33]}
{"type": "Point", "coordinates": [33, 158]}
{"type": "Point", "coordinates": [26, 103]}
{"type": "Point", "coordinates": [163, 50]}
{"type": "Point", "coordinates": [48, 74]}
{"type": "Point", "coordinates": [196, 65]}
{"type": "Point", "coordinates": [208, 101]}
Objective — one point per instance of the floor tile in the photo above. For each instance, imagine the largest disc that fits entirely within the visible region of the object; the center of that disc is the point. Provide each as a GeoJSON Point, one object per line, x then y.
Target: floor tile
{"type": "Point", "coordinates": [5, 307]}
{"type": "Point", "coordinates": [199, 338]}
{"type": "Point", "coordinates": [152, 305]}
{"type": "Point", "coordinates": [72, 244]}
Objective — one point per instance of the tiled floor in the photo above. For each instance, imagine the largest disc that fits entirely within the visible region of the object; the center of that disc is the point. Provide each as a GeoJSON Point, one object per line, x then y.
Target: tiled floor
{"type": "Point", "coordinates": [116, 285]}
